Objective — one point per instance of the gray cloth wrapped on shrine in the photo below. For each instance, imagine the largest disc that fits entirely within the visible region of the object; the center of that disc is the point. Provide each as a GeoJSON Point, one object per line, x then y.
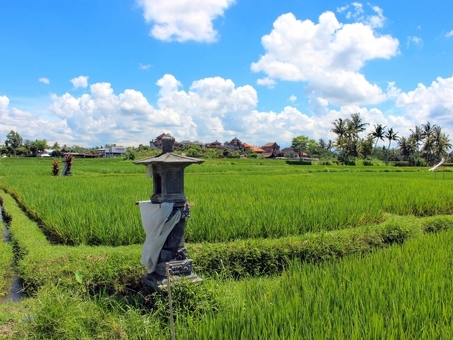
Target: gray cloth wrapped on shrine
{"type": "Point", "coordinates": [157, 228]}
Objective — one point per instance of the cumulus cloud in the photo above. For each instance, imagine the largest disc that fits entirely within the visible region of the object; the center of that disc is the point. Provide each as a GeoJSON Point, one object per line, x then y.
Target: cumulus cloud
{"type": "Point", "coordinates": [449, 34]}
{"type": "Point", "coordinates": [29, 125]}
{"type": "Point", "coordinates": [213, 109]}
{"type": "Point", "coordinates": [392, 90]}
{"type": "Point", "coordinates": [430, 103]}
{"type": "Point", "coordinates": [328, 55]}
{"type": "Point", "coordinates": [44, 80]}
{"type": "Point", "coordinates": [183, 20]}
{"type": "Point", "coordinates": [80, 81]}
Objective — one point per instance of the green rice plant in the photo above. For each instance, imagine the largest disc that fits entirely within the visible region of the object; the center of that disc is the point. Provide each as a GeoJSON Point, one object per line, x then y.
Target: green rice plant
{"type": "Point", "coordinates": [254, 198]}
{"type": "Point", "coordinates": [403, 292]}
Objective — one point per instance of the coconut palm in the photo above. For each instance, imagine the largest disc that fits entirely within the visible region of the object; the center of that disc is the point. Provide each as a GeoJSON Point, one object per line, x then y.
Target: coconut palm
{"type": "Point", "coordinates": [340, 129]}
{"type": "Point", "coordinates": [391, 136]}
{"type": "Point", "coordinates": [441, 143]}
{"type": "Point", "coordinates": [355, 125]}
{"type": "Point", "coordinates": [407, 147]}
{"type": "Point", "coordinates": [417, 136]}
{"type": "Point", "coordinates": [378, 133]}
{"type": "Point", "coordinates": [428, 130]}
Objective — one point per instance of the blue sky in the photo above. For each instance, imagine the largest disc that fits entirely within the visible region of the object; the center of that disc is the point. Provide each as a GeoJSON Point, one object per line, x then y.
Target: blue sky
{"type": "Point", "coordinates": [95, 72]}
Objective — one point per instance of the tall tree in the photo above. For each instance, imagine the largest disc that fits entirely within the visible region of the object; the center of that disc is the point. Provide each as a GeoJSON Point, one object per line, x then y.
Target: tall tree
{"type": "Point", "coordinates": [417, 137]}
{"type": "Point", "coordinates": [406, 146]}
{"type": "Point", "coordinates": [378, 133]}
{"type": "Point", "coordinates": [300, 144]}
{"type": "Point", "coordinates": [13, 141]}
{"type": "Point", "coordinates": [356, 125]}
{"type": "Point", "coordinates": [391, 136]}
{"type": "Point", "coordinates": [340, 129]}
{"type": "Point", "coordinates": [441, 143]}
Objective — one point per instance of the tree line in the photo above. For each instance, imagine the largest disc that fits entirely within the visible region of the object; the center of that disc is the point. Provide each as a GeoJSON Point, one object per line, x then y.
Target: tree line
{"type": "Point", "coordinates": [426, 144]}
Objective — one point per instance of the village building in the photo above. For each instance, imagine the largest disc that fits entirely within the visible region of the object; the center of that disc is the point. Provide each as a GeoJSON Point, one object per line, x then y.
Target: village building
{"type": "Point", "coordinates": [271, 150]}
{"type": "Point", "coordinates": [234, 144]}
{"type": "Point", "coordinates": [111, 152]}
{"type": "Point", "coordinates": [157, 142]}
{"type": "Point", "coordinates": [215, 145]}
{"type": "Point", "coordinates": [289, 152]}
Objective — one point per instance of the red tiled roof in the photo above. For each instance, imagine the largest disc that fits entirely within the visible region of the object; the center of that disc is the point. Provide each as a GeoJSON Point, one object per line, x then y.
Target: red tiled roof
{"type": "Point", "coordinates": [257, 149]}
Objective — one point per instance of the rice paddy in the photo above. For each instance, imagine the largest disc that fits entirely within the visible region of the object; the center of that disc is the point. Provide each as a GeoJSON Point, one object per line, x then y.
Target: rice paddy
{"type": "Point", "coordinates": [401, 292]}
{"type": "Point", "coordinates": [232, 200]}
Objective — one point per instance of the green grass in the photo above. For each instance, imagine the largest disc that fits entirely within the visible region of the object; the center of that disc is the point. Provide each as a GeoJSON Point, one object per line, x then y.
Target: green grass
{"type": "Point", "coordinates": [403, 292]}
{"type": "Point", "coordinates": [84, 292]}
{"type": "Point", "coordinates": [233, 200]}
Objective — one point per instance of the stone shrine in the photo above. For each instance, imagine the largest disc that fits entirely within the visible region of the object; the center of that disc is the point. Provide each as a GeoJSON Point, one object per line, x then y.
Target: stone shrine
{"type": "Point", "coordinates": [164, 217]}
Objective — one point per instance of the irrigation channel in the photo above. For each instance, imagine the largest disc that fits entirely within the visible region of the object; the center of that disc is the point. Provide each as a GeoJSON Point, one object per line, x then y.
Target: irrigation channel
{"type": "Point", "coordinates": [16, 289]}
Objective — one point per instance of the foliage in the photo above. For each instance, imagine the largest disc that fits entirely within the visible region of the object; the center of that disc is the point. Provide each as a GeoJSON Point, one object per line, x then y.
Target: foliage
{"type": "Point", "coordinates": [130, 154]}
{"type": "Point", "coordinates": [13, 141]}
{"type": "Point", "coordinates": [55, 168]}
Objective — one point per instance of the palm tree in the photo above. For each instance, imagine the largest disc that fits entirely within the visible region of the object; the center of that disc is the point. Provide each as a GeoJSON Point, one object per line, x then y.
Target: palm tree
{"type": "Point", "coordinates": [406, 146]}
{"type": "Point", "coordinates": [391, 136]}
{"type": "Point", "coordinates": [427, 130]}
{"type": "Point", "coordinates": [340, 129]}
{"type": "Point", "coordinates": [378, 133]}
{"type": "Point", "coordinates": [356, 125]}
{"type": "Point", "coordinates": [441, 143]}
{"type": "Point", "coordinates": [428, 145]}
{"type": "Point", "coordinates": [417, 136]}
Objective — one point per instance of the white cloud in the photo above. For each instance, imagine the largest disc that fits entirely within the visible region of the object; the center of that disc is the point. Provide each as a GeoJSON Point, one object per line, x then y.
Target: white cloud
{"type": "Point", "coordinates": [327, 55]}
{"type": "Point", "coordinates": [268, 82]}
{"type": "Point", "coordinates": [183, 20]}
{"type": "Point", "coordinates": [342, 9]}
{"type": "Point", "coordinates": [357, 13]}
{"type": "Point", "coordinates": [80, 81]}
{"type": "Point", "coordinates": [44, 80]}
{"type": "Point", "coordinates": [292, 98]}
{"type": "Point", "coordinates": [392, 90]}
{"type": "Point", "coordinates": [449, 34]}
{"type": "Point", "coordinates": [414, 40]}
{"type": "Point", "coordinates": [433, 103]}
{"type": "Point", "coordinates": [144, 67]}
{"type": "Point", "coordinates": [213, 109]}
{"type": "Point", "coordinates": [378, 19]}
{"type": "Point", "coordinates": [29, 125]}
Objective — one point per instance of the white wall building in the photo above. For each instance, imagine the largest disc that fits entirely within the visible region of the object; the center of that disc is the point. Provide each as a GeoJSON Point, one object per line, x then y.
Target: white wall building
{"type": "Point", "coordinates": [112, 152]}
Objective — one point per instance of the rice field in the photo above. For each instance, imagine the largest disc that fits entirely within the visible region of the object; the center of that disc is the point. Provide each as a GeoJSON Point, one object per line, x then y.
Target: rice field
{"type": "Point", "coordinates": [403, 292]}
{"type": "Point", "coordinates": [232, 200]}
